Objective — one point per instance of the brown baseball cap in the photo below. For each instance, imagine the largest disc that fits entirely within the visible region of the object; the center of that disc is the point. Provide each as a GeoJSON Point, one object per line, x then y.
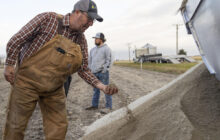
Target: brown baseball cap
{"type": "Point", "coordinates": [90, 7]}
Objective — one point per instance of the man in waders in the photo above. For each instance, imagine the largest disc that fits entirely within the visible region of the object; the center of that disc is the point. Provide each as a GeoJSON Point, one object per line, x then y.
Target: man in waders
{"type": "Point", "coordinates": [46, 51]}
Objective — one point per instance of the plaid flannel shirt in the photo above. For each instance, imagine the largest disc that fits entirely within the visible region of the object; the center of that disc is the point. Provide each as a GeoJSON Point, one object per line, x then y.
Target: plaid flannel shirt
{"type": "Point", "coordinates": [40, 30]}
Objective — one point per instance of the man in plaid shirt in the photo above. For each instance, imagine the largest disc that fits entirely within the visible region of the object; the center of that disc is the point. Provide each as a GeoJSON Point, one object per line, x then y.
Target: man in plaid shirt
{"type": "Point", "coordinates": [26, 50]}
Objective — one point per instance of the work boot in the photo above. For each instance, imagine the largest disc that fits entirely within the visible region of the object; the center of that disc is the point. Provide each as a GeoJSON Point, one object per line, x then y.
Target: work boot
{"type": "Point", "coordinates": [105, 110]}
{"type": "Point", "coordinates": [91, 108]}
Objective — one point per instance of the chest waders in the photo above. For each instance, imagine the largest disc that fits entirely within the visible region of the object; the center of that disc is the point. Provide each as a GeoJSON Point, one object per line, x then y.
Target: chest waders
{"type": "Point", "coordinates": [40, 79]}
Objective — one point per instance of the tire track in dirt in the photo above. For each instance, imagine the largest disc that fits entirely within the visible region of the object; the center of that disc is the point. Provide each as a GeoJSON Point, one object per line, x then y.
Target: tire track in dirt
{"type": "Point", "coordinates": [136, 83]}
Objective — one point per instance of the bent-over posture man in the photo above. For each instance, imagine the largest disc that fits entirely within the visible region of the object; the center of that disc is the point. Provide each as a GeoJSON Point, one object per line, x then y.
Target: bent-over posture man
{"type": "Point", "coordinates": [46, 51]}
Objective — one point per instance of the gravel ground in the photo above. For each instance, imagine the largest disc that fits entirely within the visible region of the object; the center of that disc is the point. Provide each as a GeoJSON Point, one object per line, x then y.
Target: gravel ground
{"type": "Point", "coordinates": [132, 84]}
{"type": "Point", "coordinates": [189, 109]}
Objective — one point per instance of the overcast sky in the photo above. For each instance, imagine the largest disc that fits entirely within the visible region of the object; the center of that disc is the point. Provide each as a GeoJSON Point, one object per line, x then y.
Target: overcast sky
{"type": "Point", "coordinates": [125, 21]}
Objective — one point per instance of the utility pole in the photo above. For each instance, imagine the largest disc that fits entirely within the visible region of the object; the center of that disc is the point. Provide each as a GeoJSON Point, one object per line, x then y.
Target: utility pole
{"type": "Point", "coordinates": [134, 52]}
{"type": "Point", "coordinates": [177, 29]}
{"type": "Point", "coordinates": [129, 47]}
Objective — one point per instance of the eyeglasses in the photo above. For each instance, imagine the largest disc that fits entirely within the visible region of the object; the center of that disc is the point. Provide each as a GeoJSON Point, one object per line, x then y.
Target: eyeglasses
{"type": "Point", "coordinates": [89, 18]}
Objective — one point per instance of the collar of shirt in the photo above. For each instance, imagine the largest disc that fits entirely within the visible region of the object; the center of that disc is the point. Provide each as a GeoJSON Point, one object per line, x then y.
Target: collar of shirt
{"type": "Point", "coordinates": [66, 20]}
{"type": "Point", "coordinates": [66, 23]}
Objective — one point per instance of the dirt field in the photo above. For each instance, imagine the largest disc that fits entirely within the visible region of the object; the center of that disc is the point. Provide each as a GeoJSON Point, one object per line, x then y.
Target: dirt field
{"type": "Point", "coordinates": [132, 83]}
{"type": "Point", "coordinates": [189, 109]}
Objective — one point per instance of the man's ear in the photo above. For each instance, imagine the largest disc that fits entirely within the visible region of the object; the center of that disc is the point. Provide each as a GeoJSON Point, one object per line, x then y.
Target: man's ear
{"type": "Point", "coordinates": [76, 13]}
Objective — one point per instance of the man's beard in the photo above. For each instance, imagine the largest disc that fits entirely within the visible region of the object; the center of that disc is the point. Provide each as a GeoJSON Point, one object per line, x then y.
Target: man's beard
{"type": "Point", "coordinates": [97, 43]}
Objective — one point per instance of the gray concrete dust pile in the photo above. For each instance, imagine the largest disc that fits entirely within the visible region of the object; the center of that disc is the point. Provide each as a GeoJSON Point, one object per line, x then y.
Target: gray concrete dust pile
{"type": "Point", "coordinates": [188, 108]}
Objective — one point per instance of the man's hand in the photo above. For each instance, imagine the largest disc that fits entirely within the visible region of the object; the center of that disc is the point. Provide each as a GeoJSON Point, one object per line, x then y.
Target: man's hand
{"type": "Point", "coordinates": [9, 73]}
{"type": "Point", "coordinates": [108, 89]}
{"type": "Point", "coordinates": [111, 89]}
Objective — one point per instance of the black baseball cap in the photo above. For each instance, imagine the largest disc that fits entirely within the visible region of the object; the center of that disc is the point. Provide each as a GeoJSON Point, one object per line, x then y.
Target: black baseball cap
{"type": "Point", "coordinates": [90, 7]}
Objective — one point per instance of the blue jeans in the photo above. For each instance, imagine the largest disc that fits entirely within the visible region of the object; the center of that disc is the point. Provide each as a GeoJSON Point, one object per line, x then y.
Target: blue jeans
{"type": "Point", "coordinates": [104, 78]}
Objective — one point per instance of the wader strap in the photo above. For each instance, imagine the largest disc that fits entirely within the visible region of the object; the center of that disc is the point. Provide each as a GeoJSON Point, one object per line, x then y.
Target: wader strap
{"type": "Point", "coordinates": [60, 24]}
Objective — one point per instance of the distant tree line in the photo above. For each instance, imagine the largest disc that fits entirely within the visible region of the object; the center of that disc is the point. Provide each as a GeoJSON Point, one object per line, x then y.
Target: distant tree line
{"type": "Point", "coordinates": [182, 52]}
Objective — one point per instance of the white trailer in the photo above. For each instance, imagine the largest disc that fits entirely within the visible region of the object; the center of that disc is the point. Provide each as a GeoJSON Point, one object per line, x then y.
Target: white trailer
{"type": "Point", "coordinates": [202, 20]}
{"type": "Point", "coordinates": [145, 52]}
